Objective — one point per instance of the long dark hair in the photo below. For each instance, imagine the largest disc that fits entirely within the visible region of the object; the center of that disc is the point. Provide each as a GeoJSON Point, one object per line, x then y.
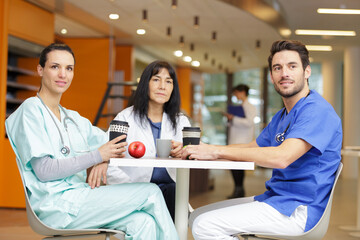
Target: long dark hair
{"type": "Point", "coordinates": [141, 95]}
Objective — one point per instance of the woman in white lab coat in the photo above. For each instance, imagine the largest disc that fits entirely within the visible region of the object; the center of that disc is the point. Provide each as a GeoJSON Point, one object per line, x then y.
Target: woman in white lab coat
{"type": "Point", "coordinates": [155, 114]}
{"type": "Point", "coordinates": [54, 147]}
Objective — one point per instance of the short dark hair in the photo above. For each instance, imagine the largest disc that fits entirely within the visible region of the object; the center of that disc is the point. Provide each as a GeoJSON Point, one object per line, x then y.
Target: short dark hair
{"type": "Point", "coordinates": [297, 46]}
{"type": "Point", "coordinates": [242, 88]}
{"type": "Point", "coordinates": [141, 95]}
{"type": "Point", "coordinates": [53, 47]}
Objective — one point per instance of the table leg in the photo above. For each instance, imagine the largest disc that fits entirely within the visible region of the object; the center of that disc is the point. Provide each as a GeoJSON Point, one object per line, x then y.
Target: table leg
{"type": "Point", "coordinates": [357, 226]}
{"type": "Point", "coordinates": [182, 202]}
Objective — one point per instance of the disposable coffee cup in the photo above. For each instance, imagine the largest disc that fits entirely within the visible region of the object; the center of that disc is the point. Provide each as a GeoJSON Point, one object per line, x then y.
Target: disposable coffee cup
{"type": "Point", "coordinates": [191, 136]}
{"type": "Point", "coordinates": [118, 128]}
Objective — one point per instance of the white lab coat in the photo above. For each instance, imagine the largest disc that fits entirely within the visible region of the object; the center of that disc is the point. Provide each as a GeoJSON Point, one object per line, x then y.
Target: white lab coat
{"type": "Point", "coordinates": [143, 133]}
{"type": "Point", "coordinates": [242, 130]}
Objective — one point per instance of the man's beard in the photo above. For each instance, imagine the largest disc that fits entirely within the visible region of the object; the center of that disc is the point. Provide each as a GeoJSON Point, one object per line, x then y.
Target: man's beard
{"type": "Point", "coordinates": [286, 94]}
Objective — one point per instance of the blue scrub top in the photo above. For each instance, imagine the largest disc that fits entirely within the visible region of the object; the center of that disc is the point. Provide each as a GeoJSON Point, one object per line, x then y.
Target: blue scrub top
{"type": "Point", "coordinates": [308, 180]}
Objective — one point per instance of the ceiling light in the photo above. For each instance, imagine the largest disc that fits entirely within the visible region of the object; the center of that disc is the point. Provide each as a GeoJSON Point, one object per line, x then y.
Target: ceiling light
{"type": "Point", "coordinates": [63, 31]}
{"type": "Point", "coordinates": [140, 31]}
{"type": "Point", "coordinates": [145, 16]}
{"type": "Point", "coordinates": [195, 63]}
{"type": "Point", "coordinates": [196, 22]}
{"type": "Point", "coordinates": [338, 11]}
{"type": "Point", "coordinates": [234, 53]}
{"type": "Point", "coordinates": [324, 32]}
{"type": "Point", "coordinates": [114, 16]}
{"type": "Point", "coordinates": [318, 48]}
{"type": "Point", "coordinates": [257, 44]}
{"type": "Point", "coordinates": [285, 32]}
{"type": "Point", "coordinates": [168, 31]}
{"type": "Point", "coordinates": [187, 59]}
{"type": "Point", "coordinates": [181, 41]}
{"type": "Point", "coordinates": [206, 56]}
{"type": "Point", "coordinates": [178, 53]}
{"type": "Point", "coordinates": [174, 4]}
{"type": "Point", "coordinates": [213, 36]}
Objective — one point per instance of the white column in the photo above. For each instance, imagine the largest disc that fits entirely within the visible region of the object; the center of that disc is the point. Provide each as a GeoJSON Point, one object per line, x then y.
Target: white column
{"type": "Point", "coordinates": [332, 73]}
{"type": "Point", "coordinates": [351, 117]}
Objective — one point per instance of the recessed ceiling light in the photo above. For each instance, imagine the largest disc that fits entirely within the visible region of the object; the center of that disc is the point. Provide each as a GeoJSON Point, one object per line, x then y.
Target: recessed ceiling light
{"type": "Point", "coordinates": [324, 32]}
{"type": "Point", "coordinates": [285, 32]}
{"type": "Point", "coordinates": [178, 53]}
{"type": "Point", "coordinates": [195, 63]}
{"type": "Point", "coordinates": [114, 16]}
{"type": "Point", "coordinates": [318, 48]}
{"type": "Point", "coordinates": [141, 31]}
{"type": "Point", "coordinates": [63, 31]}
{"type": "Point", "coordinates": [338, 11]}
{"type": "Point", "coordinates": [187, 59]}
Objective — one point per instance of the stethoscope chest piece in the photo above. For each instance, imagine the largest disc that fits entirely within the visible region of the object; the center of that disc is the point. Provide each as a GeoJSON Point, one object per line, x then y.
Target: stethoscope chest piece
{"type": "Point", "coordinates": [65, 150]}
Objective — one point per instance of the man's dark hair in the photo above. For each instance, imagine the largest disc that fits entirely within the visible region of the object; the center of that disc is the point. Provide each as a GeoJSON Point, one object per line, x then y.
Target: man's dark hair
{"type": "Point", "coordinates": [281, 45]}
{"type": "Point", "coordinates": [141, 95]}
{"type": "Point", "coordinates": [53, 47]}
{"type": "Point", "coordinates": [241, 88]}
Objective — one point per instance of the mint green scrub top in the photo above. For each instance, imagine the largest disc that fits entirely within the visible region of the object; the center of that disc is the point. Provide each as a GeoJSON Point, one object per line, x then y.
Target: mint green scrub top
{"type": "Point", "coordinates": [33, 134]}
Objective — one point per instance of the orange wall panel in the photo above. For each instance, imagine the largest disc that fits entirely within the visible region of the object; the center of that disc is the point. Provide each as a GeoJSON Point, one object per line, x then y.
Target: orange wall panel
{"type": "Point", "coordinates": [124, 61]}
{"type": "Point", "coordinates": [184, 78]}
{"type": "Point", "coordinates": [12, 191]}
{"type": "Point", "coordinates": [92, 72]}
{"type": "Point", "coordinates": [30, 22]}
{"type": "Point", "coordinates": [3, 66]}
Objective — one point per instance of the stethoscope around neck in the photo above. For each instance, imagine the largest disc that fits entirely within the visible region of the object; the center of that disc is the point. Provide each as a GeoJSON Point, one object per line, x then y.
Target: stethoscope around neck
{"type": "Point", "coordinates": [280, 137]}
{"type": "Point", "coordinates": [65, 150]}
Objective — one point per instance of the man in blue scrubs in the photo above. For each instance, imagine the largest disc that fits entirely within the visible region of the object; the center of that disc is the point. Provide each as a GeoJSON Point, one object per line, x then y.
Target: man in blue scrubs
{"type": "Point", "coordinates": [302, 144]}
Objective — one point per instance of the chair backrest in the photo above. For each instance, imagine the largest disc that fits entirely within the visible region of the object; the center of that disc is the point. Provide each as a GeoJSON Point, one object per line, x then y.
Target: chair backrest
{"type": "Point", "coordinates": [316, 233]}
{"type": "Point", "coordinates": [34, 222]}
{"type": "Point", "coordinates": [320, 229]}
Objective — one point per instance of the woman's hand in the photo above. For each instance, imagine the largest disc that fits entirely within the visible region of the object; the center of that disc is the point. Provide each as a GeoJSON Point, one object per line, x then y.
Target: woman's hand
{"type": "Point", "coordinates": [112, 149]}
{"type": "Point", "coordinates": [97, 173]}
{"type": "Point", "coordinates": [176, 149]}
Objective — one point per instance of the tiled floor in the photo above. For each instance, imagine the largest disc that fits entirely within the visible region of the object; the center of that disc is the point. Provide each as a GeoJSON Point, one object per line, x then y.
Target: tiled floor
{"type": "Point", "coordinates": [13, 222]}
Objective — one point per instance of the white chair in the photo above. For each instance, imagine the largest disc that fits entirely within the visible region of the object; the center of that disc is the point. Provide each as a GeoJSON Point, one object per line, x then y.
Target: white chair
{"type": "Point", "coordinates": [52, 233]}
{"type": "Point", "coordinates": [316, 233]}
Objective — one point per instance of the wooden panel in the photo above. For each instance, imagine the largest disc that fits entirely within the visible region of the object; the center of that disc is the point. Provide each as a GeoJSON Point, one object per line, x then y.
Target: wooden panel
{"type": "Point", "coordinates": [184, 78]}
{"type": "Point", "coordinates": [3, 74]}
{"type": "Point", "coordinates": [30, 22]}
{"type": "Point", "coordinates": [124, 61]}
{"type": "Point", "coordinates": [11, 188]}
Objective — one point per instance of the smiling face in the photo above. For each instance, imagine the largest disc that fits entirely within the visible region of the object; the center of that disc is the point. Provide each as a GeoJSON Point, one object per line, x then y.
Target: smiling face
{"type": "Point", "coordinates": [160, 87]}
{"type": "Point", "coordinates": [287, 74]}
{"type": "Point", "coordinates": [57, 73]}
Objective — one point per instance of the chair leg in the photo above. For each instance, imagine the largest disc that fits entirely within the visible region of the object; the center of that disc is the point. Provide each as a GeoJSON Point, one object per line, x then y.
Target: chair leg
{"type": "Point", "coordinates": [107, 237]}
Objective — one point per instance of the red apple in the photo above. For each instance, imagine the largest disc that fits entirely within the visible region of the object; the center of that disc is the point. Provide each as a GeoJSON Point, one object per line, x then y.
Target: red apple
{"type": "Point", "coordinates": [136, 149]}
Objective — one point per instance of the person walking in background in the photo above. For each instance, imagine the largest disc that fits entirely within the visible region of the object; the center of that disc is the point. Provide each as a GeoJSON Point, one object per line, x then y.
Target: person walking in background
{"type": "Point", "coordinates": [241, 130]}
{"type": "Point", "coordinates": [54, 146]}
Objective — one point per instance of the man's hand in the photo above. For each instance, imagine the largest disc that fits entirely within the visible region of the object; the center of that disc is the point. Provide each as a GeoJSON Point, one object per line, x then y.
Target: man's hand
{"type": "Point", "coordinates": [97, 172]}
{"type": "Point", "coordinates": [200, 152]}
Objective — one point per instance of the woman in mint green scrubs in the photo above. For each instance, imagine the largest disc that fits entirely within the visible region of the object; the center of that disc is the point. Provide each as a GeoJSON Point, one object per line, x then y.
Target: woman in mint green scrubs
{"type": "Point", "coordinates": [55, 146]}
